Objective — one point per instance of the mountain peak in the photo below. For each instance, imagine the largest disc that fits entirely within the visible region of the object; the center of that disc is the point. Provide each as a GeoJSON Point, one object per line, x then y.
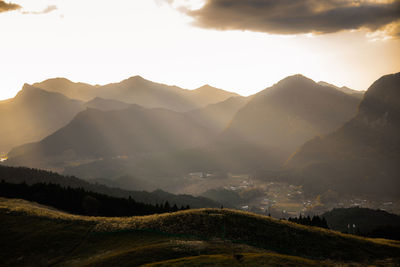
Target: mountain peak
{"type": "Point", "coordinates": [297, 78]}
{"type": "Point", "coordinates": [383, 96]}
{"type": "Point", "coordinates": [207, 87]}
{"type": "Point", "coordinates": [26, 91]}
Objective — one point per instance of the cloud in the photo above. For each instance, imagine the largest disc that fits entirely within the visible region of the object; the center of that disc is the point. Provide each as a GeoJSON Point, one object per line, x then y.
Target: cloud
{"type": "Point", "coordinates": [48, 9]}
{"type": "Point", "coordinates": [294, 16]}
{"type": "Point", "coordinates": [4, 7]}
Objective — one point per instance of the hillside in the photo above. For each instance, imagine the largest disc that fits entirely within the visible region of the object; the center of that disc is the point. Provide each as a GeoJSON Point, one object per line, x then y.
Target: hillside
{"type": "Point", "coordinates": [222, 235]}
{"type": "Point", "coordinates": [289, 113]}
{"type": "Point", "coordinates": [106, 104]}
{"type": "Point", "coordinates": [218, 116]}
{"type": "Point", "coordinates": [95, 134]}
{"type": "Point", "coordinates": [32, 115]}
{"type": "Point", "coordinates": [137, 90]}
{"type": "Point", "coordinates": [362, 156]}
{"type": "Point", "coordinates": [366, 221]}
{"type": "Point", "coordinates": [33, 176]}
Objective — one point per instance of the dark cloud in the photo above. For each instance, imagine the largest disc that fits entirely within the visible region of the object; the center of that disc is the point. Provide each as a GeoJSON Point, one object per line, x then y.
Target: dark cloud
{"type": "Point", "coordinates": [4, 7]}
{"type": "Point", "coordinates": [295, 16]}
{"type": "Point", "coordinates": [44, 11]}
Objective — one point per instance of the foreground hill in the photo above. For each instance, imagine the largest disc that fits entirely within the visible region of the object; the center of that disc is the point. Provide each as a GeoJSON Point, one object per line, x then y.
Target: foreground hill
{"type": "Point", "coordinates": [95, 134]}
{"type": "Point", "coordinates": [361, 157]}
{"type": "Point", "coordinates": [223, 236]}
{"type": "Point", "coordinates": [284, 116]}
{"type": "Point", "coordinates": [137, 90]}
{"type": "Point", "coordinates": [34, 114]}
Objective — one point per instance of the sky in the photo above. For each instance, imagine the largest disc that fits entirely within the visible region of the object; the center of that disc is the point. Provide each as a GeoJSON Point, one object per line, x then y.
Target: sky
{"type": "Point", "coordinates": [241, 46]}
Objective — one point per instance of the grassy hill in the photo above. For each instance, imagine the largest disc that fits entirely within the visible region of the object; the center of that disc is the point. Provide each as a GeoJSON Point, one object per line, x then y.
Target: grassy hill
{"type": "Point", "coordinates": [39, 235]}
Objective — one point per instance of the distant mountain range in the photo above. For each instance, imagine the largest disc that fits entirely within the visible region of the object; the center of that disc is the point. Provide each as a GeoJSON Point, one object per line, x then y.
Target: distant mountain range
{"type": "Point", "coordinates": [260, 131]}
{"type": "Point", "coordinates": [137, 90]}
{"type": "Point", "coordinates": [176, 131]}
{"type": "Point", "coordinates": [39, 110]}
{"type": "Point", "coordinates": [363, 155]}
{"type": "Point", "coordinates": [95, 134]}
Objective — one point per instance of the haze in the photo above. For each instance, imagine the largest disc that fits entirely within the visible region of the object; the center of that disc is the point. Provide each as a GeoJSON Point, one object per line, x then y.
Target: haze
{"type": "Point", "coordinates": [99, 42]}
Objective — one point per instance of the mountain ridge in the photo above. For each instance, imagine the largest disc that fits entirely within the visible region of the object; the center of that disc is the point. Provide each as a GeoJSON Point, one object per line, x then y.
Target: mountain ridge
{"type": "Point", "coordinates": [137, 90]}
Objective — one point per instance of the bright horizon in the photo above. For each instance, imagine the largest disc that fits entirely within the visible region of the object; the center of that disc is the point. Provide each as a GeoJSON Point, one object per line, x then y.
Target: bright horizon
{"type": "Point", "coordinates": [97, 42]}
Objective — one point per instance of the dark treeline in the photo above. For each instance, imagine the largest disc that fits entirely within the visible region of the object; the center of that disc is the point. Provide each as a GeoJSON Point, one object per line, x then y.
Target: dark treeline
{"type": "Point", "coordinates": [314, 221]}
{"type": "Point", "coordinates": [17, 175]}
{"type": "Point", "coordinates": [80, 201]}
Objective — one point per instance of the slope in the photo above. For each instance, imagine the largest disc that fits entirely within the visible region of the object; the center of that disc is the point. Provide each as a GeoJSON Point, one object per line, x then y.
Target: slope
{"type": "Point", "coordinates": [218, 116]}
{"type": "Point", "coordinates": [95, 134]}
{"type": "Point", "coordinates": [362, 156]}
{"type": "Point", "coordinates": [33, 114]}
{"type": "Point", "coordinates": [33, 176]}
{"type": "Point", "coordinates": [106, 104]}
{"type": "Point", "coordinates": [284, 116]}
{"type": "Point", "coordinates": [131, 241]}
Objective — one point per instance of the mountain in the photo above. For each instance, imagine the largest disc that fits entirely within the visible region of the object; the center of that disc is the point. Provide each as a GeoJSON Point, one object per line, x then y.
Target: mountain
{"type": "Point", "coordinates": [218, 116]}
{"type": "Point", "coordinates": [81, 91]}
{"type": "Point", "coordinates": [362, 156]}
{"type": "Point", "coordinates": [284, 116]}
{"type": "Point", "coordinates": [33, 114]}
{"type": "Point", "coordinates": [106, 104]}
{"type": "Point", "coordinates": [344, 89]}
{"type": "Point", "coordinates": [264, 131]}
{"type": "Point", "coordinates": [137, 90]}
{"type": "Point", "coordinates": [94, 134]}
{"type": "Point", "coordinates": [39, 235]}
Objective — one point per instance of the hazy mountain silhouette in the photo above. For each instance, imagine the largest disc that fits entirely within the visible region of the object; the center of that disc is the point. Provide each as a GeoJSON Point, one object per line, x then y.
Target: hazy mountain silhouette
{"type": "Point", "coordinates": [263, 133]}
{"type": "Point", "coordinates": [94, 134]}
{"type": "Point", "coordinates": [363, 155]}
{"type": "Point", "coordinates": [289, 113]}
{"type": "Point", "coordinates": [344, 89]}
{"type": "Point", "coordinates": [218, 116]}
{"type": "Point", "coordinates": [34, 114]}
{"type": "Point", "coordinates": [140, 91]}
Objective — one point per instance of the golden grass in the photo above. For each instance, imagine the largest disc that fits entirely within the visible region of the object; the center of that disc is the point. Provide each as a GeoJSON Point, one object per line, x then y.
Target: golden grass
{"type": "Point", "coordinates": [144, 222]}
